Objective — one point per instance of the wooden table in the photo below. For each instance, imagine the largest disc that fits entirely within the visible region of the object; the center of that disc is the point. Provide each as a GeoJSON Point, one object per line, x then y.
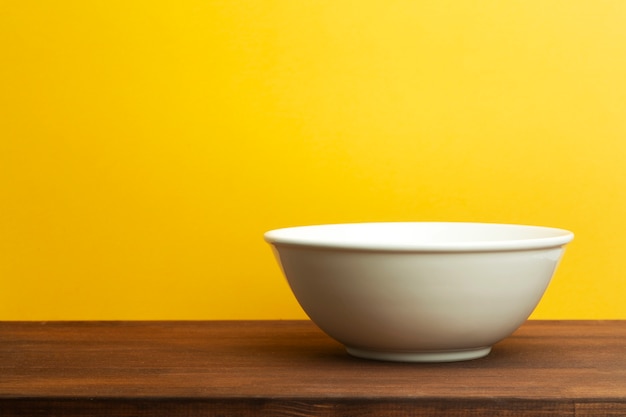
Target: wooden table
{"type": "Point", "coordinates": [290, 368]}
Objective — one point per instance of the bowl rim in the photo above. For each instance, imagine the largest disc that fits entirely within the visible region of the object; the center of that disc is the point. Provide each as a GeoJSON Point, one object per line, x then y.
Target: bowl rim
{"type": "Point", "coordinates": [294, 236]}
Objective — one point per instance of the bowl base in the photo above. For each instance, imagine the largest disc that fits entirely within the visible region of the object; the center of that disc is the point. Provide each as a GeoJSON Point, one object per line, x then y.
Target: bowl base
{"type": "Point", "coordinates": [429, 356]}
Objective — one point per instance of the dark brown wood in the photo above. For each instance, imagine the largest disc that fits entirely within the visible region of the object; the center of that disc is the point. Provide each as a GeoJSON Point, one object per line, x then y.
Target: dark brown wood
{"type": "Point", "coordinates": [290, 368]}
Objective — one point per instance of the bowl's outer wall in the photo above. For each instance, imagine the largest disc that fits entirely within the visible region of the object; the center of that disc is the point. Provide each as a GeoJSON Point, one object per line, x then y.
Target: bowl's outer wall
{"type": "Point", "coordinates": [417, 301]}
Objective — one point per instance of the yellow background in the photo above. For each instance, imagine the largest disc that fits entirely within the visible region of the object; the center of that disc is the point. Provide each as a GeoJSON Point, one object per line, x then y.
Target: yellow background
{"type": "Point", "coordinates": [145, 146]}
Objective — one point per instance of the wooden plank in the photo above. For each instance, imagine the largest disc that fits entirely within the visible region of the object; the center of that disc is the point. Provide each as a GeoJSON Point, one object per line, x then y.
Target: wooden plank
{"type": "Point", "coordinates": [243, 368]}
{"type": "Point", "coordinates": [276, 407]}
{"type": "Point", "coordinates": [601, 409]}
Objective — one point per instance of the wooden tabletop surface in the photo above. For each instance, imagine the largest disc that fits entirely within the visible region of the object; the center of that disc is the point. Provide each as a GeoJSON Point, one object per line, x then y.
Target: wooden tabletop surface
{"type": "Point", "coordinates": [290, 368]}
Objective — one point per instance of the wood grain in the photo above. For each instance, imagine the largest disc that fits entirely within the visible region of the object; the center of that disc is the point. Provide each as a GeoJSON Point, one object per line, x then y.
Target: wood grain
{"type": "Point", "coordinates": [290, 368]}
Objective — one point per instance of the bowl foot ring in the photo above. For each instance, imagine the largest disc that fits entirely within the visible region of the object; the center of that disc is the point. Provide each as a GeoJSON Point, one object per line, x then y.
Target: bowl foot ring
{"type": "Point", "coordinates": [429, 356]}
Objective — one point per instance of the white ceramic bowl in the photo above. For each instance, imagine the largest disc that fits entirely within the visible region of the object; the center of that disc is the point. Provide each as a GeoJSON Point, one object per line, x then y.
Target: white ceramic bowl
{"type": "Point", "coordinates": [420, 292]}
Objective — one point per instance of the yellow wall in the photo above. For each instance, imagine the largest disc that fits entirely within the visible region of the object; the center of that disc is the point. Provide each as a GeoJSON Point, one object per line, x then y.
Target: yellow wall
{"type": "Point", "coordinates": [145, 146]}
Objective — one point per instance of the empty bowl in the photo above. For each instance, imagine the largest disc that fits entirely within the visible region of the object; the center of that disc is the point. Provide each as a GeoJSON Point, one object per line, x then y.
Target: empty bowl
{"type": "Point", "coordinates": [418, 291]}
